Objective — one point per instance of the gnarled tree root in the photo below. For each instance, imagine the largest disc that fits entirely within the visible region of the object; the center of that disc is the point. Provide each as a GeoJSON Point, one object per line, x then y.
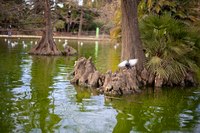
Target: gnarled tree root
{"type": "Point", "coordinates": [124, 81]}
{"type": "Point", "coordinates": [69, 51]}
{"type": "Point", "coordinates": [119, 83]}
{"type": "Point", "coordinates": [46, 46]}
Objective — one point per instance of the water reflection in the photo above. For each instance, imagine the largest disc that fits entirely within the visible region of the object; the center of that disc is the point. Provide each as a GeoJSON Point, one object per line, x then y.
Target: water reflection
{"type": "Point", "coordinates": [36, 96]}
{"type": "Point", "coordinates": [11, 73]}
{"type": "Point", "coordinates": [103, 54]}
{"type": "Point", "coordinates": [169, 110]}
{"type": "Point", "coordinates": [42, 80]}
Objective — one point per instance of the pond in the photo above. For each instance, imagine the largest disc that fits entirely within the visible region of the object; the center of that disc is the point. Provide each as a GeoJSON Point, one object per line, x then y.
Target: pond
{"type": "Point", "coordinates": [36, 96]}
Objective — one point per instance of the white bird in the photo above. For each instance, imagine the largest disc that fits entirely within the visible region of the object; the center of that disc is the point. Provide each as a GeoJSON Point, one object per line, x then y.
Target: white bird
{"type": "Point", "coordinates": [65, 44]}
{"type": "Point", "coordinates": [81, 43]}
{"type": "Point", "coordinates": [5, 40]}
{"type": "Point", "coordinates": [12, 44]}
{"type": "Point", "coordinates": [115, 46]}
{"type": "Point", "coordinates": [24, 44]}
{"type": "Point", "coordinates": [59, 40]}
{"type": "Point", "coordinates": [128, 63]}
{"type": "Point", "coordinates": [9, 41]}
{"type": "Point", "coordinates": [35, 42]}
{"type": "Point", "coordinates": [15, 43]}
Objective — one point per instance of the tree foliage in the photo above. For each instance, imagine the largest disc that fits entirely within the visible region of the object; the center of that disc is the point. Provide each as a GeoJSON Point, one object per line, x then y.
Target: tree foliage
{"type": "Point", "coordinates": [186, 10]}
{"type": "Point", "coordinates": [171, 47]}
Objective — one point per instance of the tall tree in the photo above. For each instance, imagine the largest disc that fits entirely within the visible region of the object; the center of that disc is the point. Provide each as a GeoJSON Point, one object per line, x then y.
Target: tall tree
{"type": "Point", "coordinates": [81, 23]}
{"type": "Point", "coordinates": [11, 11]}
{"type": "Point", "coordinates": [46, 45]}
{"type": "Point", "coordinates": [131, 43]}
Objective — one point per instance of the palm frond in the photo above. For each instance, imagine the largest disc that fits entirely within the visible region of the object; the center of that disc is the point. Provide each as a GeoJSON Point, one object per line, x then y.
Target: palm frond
{"type": "Point", "coordinates": [171, 46]}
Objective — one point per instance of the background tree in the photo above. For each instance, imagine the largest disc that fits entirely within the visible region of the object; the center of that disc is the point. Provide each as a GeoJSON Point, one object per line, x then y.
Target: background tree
{"type": "Point", "coordinates": [46, 45]}
{"type": "Point", "coordinates": [11, 12]}
{"type": "Point", "coordinates": [186, 10]}
{"type": "Point", "coordinates": [170, 56]}
{"type": "Point", "coordinates": [77, 17]}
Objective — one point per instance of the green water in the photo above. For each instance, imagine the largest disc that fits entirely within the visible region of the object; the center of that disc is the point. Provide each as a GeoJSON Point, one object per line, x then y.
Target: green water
{"type": "Point", "coordinates": [36, 96]}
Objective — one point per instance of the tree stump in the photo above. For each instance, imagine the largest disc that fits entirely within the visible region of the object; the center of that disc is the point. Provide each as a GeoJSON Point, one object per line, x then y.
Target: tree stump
{"type": "Point", "coordinates": [85, 73]}
{"type": "Point", "coordinates": [69, 51]}
{"type": "Point", "coordinates": [119, 83]}
{"type": "Point", "coordinates": [122, 82]}
{"type": "Point", "coordinates": [46, 46]}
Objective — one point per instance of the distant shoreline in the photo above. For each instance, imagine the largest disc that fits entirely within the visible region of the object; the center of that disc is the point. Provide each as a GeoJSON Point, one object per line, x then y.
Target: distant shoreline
{"type": "Point", "coordinates": [87, 38]}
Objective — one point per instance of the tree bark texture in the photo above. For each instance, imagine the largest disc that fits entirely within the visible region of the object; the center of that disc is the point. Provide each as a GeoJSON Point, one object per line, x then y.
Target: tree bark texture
{"type": "Point", "coordinates": [69, 51]}
{"type": "Point", "coordinates": [122, 82]}
{"type": "Point", "coordinates": [85, 73]}
{"type": "Point", "coordinates": [131, 43]}
{"type": "Point", "coordinates": [119, 83]}
{"type": "Point", "coordinates": [46, 45]}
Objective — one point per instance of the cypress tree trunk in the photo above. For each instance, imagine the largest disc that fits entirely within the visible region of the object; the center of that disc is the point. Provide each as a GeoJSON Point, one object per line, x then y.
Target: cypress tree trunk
{"type": "Point", "coordinates": [131, 43]}
{"type": "Point", "coordinates": [46, 45]}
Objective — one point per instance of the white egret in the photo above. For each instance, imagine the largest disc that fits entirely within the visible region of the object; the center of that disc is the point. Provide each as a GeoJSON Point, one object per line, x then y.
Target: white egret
{"type": "Point", "coordinates": [81, 43]}
{"type": "Point", "coordinates": [128, 63]}
{"type": "Point", "coordinates": [15, 43]}
{"type": "Point", "coordinates": [9, 41]}
{"type": "Point", "coordinates": [12, 44]}
{"type": "Point", "coordinates": [65, 44]}
{"type": "Point", "coordinates": [24, 44]}
{"type": "Point", "coordinates": [115, 46]}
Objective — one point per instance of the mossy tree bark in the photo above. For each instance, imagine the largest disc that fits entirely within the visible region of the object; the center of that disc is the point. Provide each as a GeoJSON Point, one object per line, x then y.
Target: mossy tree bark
{"type": "Point", "coordinates": [131, 43]}
{"type": "Point", "coordinates": [46, 45]}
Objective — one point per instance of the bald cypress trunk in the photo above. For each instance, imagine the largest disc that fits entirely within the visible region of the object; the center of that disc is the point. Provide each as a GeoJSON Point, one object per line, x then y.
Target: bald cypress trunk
{"type": "Point", "coordinates": [46, 45]}
{"type": "Point", "coordinates": [131, 43]}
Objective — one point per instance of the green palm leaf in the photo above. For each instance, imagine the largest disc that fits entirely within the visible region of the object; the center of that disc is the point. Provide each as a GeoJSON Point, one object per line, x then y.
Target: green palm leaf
{"type": "Point", "coordinates": [171, 47]}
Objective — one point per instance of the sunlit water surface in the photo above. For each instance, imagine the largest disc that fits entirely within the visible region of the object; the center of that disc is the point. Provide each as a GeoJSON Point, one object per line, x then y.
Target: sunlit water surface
{"type": "Point", "coordinates": [36, 96]}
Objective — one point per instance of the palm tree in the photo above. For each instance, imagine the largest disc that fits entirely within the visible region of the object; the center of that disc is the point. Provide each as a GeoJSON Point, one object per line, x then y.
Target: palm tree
{"type": "Point", "coordinates": [171, 48]}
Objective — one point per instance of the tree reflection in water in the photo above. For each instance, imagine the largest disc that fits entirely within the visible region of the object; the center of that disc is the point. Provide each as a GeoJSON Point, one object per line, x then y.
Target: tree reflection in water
{"type": "Point", "coordinates": [43, 116]}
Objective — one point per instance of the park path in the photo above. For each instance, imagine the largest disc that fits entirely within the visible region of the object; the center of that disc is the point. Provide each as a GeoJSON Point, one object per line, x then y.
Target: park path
{"type": "Point", "coordinates": [88, 38]}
